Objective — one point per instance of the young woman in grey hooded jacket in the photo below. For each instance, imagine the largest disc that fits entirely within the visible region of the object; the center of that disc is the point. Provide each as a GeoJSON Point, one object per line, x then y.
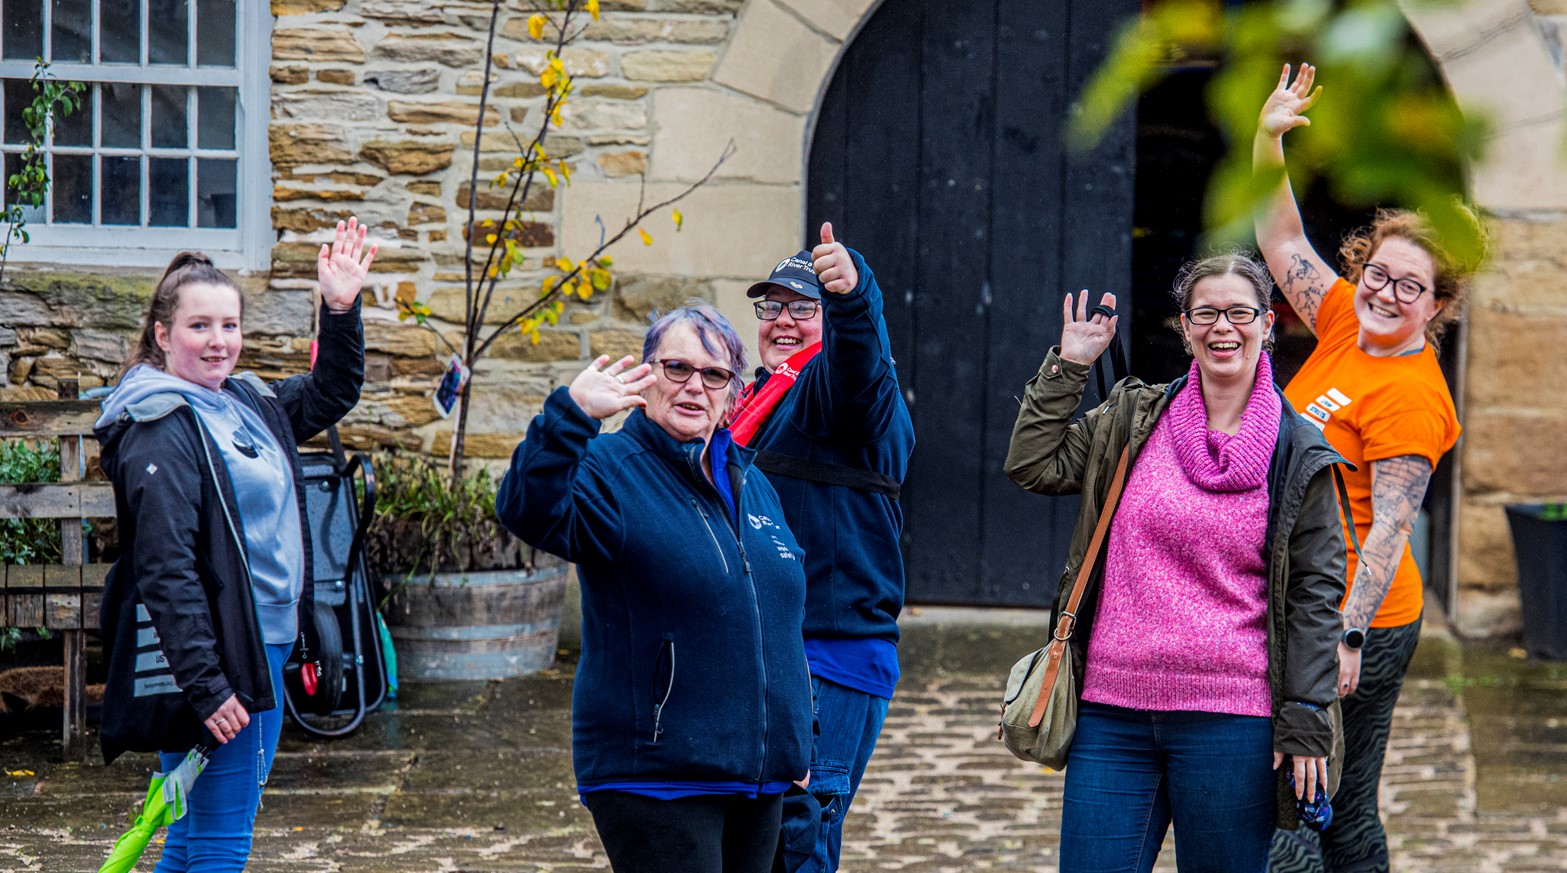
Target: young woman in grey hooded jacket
{"type": "Point", "coordinates": [202, 607]}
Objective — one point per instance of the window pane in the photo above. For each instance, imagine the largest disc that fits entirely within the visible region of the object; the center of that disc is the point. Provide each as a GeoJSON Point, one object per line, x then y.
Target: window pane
{"type": "Point", "coordinates": [72, 31]}
{"type": "Point", "coordinates": [71, 188]}
{"type": "Point", "coordinates": [121, 190]}
{"type": "Point", "coordinates": [75, 129]}
{"type": "Point", "coordinates": [121, 114]}
{"type": "Point", "coordinates": [170, 192]}
{"type": "Point", "coordinates": [215, 33]}
{"type": "Point", "coordinates": [13, 164]}
{"type": "Point", "coordinates": [169, 127]}
{"type": "Point", "coordinates": [216, 193]}
{"type": "Point", "coordinates": [18, 95]}
{"type": "Point", "coordinates": [24, 29]}
{"type": "Point", "coordinates": [215, 109]}
{"type": "Point", "coordinates": [119, 31]}
{"type": "Point", "coordinates": [168, 38]}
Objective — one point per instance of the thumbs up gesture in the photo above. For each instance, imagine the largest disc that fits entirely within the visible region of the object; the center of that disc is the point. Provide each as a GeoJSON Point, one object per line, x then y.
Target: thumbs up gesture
{"type": "Point", "coordinates": [834, 268]}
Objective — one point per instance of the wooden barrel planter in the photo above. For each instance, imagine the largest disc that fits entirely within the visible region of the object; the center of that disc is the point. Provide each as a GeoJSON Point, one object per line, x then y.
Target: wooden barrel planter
{"type": "Point", "coordinates": [493, 624]}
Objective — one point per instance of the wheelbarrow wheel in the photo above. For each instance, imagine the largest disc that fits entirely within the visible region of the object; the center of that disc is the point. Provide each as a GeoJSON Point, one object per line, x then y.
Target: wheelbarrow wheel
{"type": "Point", "coordinates": [327, 692]}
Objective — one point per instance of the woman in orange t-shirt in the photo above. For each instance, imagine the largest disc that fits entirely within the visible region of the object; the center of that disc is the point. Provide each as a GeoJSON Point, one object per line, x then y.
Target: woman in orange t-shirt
{"type": "Point", "coordinates": [1374, 386]}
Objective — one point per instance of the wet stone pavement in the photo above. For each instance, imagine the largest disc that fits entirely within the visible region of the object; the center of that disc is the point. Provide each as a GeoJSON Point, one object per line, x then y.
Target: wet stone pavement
{"type": "Point", "coordinates": [477, 777]}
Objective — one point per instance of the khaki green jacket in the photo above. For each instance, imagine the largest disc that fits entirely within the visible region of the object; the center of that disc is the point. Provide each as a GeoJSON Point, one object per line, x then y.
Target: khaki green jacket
{"type": "Point", "coordinates": [1050, 454]}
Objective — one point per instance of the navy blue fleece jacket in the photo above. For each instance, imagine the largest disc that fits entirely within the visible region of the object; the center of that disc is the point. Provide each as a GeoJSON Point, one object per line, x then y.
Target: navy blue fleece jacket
{"type": "Point", "coordinates": [846, 410]}
{"type": "Point", "coordinates": [693, 668]}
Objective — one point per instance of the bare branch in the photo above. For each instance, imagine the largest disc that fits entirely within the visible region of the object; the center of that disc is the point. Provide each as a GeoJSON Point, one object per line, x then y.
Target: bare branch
{"type": "Point", "coordinates": [473, 179]}
{"type": "Point", "coordinates": [522, 186]}
{"type": "Point", "coordinates": [566, 279]}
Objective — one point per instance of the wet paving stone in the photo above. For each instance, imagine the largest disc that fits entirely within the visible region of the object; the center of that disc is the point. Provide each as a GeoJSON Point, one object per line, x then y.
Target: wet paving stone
{"type": "Point", "coordinates": [477, 777]}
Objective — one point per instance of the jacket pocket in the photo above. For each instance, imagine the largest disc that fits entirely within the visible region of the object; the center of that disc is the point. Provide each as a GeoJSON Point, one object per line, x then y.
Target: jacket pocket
{"type": "Point", "coordinates": [663, 682]}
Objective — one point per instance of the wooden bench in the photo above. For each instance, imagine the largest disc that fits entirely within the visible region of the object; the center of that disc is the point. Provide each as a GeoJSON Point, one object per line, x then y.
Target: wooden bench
{"type": "Point", "coordinates": [62, 597]}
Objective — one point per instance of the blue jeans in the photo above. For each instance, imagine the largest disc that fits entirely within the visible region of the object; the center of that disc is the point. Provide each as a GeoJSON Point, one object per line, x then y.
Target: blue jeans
{"type": "Point", "coordinates": [1131, 772]}
{"type": "Point", "coordinates": [215, 833]}
{"type": "Point", "coordinates": [849, 722]}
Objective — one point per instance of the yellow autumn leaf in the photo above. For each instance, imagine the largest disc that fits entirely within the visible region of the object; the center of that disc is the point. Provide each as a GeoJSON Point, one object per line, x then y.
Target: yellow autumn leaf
{"type": "Point", "coordinates": [564, 264]}
{"type": "Point", "coordinates": [535, 336]}
{"type": "Point", "coordinates": [536, 24]}
{"type": "Point", "coordinates": [20, 773]}
{"type": "Point", "coordinates": [565, 172]}
{"type": "Point", "coordinates": [647, 238]}
{"type": "Point", "coordinates": [584, 288]}
{"type": "Point", "coordinates": [491, 238]}
{"type": "Point", "coordinates": [680, 220]}
{"type": "Point", "coordinates": [556, 119]}
{"type": "Point", "coordinates": [550, 175]}
{"type": "Point", "coordinates": [549, 77]}
{"type": "Point", "coordinates": [593, 9]}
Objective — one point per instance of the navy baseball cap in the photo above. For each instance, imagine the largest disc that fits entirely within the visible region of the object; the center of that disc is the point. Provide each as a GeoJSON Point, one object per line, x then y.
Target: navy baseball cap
{"type": "Point", "coordinates": [793, 273]}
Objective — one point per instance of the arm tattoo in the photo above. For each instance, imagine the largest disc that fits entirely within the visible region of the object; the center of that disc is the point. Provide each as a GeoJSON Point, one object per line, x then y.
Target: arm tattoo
{"type": "Point", "coordinates": [1302, 287]}
{"type": "Point", "coordinates": [1397, 487]}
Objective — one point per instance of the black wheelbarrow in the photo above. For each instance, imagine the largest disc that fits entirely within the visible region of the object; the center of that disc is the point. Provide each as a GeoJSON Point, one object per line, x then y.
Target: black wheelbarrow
{"type": "Point", "coordinates": [329, 691]}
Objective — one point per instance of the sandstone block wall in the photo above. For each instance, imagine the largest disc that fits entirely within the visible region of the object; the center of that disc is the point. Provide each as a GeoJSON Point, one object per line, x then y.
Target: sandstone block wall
{"type": "Point", "coordinates": [373, 107]}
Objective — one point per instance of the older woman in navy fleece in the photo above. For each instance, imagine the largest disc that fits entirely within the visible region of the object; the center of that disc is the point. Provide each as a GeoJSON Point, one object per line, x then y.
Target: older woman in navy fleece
{"type": "Point", "coordinates": [691, 712]}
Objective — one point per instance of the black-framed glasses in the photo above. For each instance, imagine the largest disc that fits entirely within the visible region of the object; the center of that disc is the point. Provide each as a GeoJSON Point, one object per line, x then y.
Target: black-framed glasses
{"type": "Point", "coordinates": [1232, 314]}
{"type": "Point", "coordinates": [799, 310]}
{"type": "Point", "coordinates": [680, 371]}
{"type": "Point", "coordinates": [1407, 290]}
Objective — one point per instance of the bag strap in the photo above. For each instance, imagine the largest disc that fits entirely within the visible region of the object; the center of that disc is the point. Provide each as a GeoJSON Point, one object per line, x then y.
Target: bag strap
{"type": "Point", "coordinates": [824, 473]}
{"type": "Point", "coordinates": [1343, 501]}
{"type": "Point", "coordinates": [1068, 620]}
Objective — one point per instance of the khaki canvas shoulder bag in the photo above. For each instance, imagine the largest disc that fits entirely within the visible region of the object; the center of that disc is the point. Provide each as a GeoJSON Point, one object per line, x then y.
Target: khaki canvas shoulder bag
{"type": "Point", "coordinates": [1039, 708]}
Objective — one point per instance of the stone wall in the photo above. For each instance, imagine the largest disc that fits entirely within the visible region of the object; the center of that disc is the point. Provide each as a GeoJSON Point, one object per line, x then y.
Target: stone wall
{"type": "Point", "coordinates": [373, 106]}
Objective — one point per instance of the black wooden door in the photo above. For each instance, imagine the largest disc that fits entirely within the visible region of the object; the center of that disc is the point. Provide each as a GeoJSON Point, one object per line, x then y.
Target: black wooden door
{"type": "Point", "coordinates": [938, 155]}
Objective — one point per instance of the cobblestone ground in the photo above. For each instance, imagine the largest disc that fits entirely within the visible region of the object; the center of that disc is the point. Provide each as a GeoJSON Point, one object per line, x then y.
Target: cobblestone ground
{"type": "Point", "coordinates": [477, 778]}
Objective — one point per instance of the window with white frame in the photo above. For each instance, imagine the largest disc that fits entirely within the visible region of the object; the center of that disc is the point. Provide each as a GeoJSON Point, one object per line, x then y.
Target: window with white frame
{"type": "Point", "coordinates": [168, 149]}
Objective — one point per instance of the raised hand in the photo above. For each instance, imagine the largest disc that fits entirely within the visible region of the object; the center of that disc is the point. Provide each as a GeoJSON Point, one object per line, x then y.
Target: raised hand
{"type": "Point", "coordinates": [834, 268]}
{"type": "Point", "coordinates": [1286, 107]}
{"type": "Point", "coordinates": [1085, 335]}
{"type": "Point", "coordinates": [604, 389]}
{"type": "Point", "coordinates": [342, 266]}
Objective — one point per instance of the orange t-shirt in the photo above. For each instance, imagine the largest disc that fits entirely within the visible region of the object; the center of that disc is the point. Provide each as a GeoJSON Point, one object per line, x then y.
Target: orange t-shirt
{"type": "Point", "coordinates": [1372, 409]}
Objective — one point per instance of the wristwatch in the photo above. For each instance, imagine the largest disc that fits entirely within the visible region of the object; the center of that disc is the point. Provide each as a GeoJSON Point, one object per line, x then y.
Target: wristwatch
{"type": "Point", "coordinates": [1353, 638]}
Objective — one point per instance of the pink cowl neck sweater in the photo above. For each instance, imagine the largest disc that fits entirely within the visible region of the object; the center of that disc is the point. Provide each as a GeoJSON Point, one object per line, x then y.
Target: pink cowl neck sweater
{"type": "Point", "coordinates": [1182, 615]}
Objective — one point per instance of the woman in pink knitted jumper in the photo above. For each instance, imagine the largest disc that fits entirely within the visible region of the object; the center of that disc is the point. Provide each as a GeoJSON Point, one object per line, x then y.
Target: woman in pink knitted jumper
{"type": "Point", "coordinates": [1209, 630]}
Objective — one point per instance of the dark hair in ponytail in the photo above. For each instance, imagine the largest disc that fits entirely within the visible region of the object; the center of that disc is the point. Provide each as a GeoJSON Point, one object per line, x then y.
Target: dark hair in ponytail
{"type": "Point", "coordinates": [187, 268]}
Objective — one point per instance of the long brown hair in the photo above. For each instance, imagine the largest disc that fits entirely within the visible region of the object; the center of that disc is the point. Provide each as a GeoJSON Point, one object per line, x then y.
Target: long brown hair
{"type": "Point", "coordinates": [1452, 277]}
{"type": "Point", "coordinates": [187, 268]}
